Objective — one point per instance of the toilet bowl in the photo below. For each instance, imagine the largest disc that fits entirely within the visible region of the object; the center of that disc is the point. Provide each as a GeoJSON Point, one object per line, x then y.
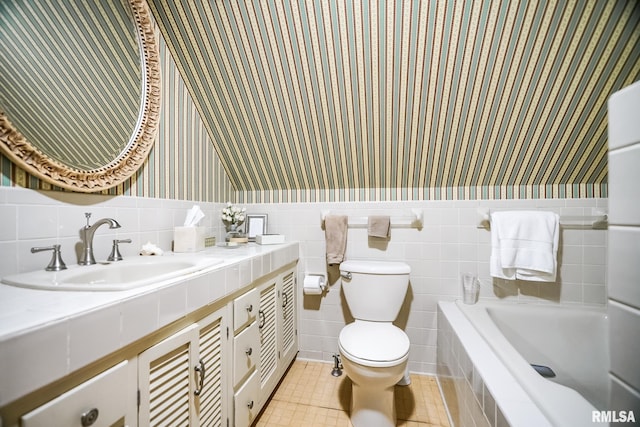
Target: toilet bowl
{"type": "Point", "coordinates": [374, 352]}
{"type": "Point", "coordinates": [374, 357]}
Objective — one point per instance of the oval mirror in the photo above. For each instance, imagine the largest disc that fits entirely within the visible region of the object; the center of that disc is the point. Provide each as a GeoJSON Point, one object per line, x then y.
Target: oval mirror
{"type": "Point", "coordinates": [79, 89]}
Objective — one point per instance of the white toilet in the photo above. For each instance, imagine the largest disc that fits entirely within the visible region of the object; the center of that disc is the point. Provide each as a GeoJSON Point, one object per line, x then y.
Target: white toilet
{"type": "Point", "coordinates": [374, 352]}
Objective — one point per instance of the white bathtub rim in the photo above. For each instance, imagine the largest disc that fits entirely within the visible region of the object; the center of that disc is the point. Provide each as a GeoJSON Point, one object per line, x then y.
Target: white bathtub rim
{"type": "Point", "coordinates": [516, 405]}
{"type": "Point", "coordinates": [535, 386]}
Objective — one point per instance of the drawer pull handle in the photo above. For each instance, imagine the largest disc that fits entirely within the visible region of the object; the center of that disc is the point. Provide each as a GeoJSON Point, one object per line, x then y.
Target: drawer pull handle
{"type": "Point", "coordinates": [249, 351]}
{"type": "Point", "coordinates": [89, 417]}
{"type": "Point", "coordinates": [250, 308]}
{"type": "Point", "coordinates": [200, 370]}
{"type": "Point", "coordinates": [285, 299]}
{"type": "Point", "coordinates": [250, 404]}
{"type": "Point", "coordinates": [262, 319]}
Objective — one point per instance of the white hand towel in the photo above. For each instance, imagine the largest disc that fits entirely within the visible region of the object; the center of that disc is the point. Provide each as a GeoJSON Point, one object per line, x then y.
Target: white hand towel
{"type": "Point", "coordinates": [524, 245]}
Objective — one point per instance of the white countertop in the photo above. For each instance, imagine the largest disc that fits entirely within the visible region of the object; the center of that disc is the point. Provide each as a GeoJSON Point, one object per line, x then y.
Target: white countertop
{"type": "Point", "coordinates": [45, 335]}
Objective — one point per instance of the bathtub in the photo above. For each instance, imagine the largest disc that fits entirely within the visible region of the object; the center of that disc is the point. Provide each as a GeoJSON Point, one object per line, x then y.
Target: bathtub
{"type": "Point", "coordinates": [501, 340]}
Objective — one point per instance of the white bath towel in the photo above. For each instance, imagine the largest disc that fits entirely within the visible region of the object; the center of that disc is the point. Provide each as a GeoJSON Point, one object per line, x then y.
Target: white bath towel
{"type": "Point", "coordinates": [524, 245]}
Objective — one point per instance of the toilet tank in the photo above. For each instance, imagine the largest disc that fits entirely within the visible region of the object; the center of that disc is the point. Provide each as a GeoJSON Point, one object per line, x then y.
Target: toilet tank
{"type": "Point", "coordinates": [376, 289]}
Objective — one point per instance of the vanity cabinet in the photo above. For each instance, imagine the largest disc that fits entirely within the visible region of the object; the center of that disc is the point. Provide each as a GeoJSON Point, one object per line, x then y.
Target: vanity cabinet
{"type": "Point", "coordinates": [266, 346]}
{"type": "Point", "coordinates": [268, 336]}
{"type": "Point", "coordinates": [213, 401]}
{"type": "Point", "coordinates": [181, 379]}
{"type": "Point", "coordinates": [216, 366]}
{"type": "Point", "coordinates": [288, 326]}
{"type": "Point", "coordinates": [250, 342]}
{"type": "Point", "coordinates": [108, 399]}
{"type": "Point", "coordinates": [246, 354]}
{"type": "Point", "coordinates": [166, 380]}
{"type": "Point", "coordinates": [278, 335]}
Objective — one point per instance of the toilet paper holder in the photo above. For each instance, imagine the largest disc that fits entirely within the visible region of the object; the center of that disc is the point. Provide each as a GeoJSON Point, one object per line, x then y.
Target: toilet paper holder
{"type": "Point", "coordinates": [314, 283]}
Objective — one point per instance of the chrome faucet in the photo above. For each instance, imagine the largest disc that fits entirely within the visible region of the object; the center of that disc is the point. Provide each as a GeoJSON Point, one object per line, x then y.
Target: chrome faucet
{"type": "Point", "coordinates": [87, 233]}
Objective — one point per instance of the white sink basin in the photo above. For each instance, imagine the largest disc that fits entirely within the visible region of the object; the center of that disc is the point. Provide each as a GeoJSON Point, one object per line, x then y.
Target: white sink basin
{"type": "Point", "coordinates": [117, 276]}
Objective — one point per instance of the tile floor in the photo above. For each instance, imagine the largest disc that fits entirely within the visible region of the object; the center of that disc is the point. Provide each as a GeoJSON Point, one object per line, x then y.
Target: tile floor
{"type": "Point", "coordinates": [310, 396]}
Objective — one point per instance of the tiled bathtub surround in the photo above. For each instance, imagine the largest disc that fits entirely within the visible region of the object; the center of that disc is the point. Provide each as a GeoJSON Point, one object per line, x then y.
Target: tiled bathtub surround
{"type": "Point", "coordinates": [448, 244]}
{"type": "Point", "coordinates": [473, 386]}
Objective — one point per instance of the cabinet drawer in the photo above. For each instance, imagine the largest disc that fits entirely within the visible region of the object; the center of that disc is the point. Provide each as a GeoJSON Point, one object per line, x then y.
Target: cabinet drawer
{"type": "Point", "coordinates": [246, 352]}
{"type": "Point", "coordinates": [246, 402]}
{"type": "Point", "coordinates": [103, 398]}
{"type": "Point", "coordinates": [245, 309]}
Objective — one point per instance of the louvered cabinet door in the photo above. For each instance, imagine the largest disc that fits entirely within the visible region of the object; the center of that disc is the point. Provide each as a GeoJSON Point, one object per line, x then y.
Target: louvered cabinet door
{"type": "Point", "coordinates": [166, 381]}
{"type": "Point", "coordinates": [288, 338]}
{"type": "Point", "coordinates": [211, 402]}
{"type": "Point", "coordinates": [268, 339]}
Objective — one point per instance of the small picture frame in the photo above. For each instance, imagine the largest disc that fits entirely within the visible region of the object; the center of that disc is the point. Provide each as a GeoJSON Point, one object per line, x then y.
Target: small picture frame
{"type": "Point", "coordinates": [256, 224]}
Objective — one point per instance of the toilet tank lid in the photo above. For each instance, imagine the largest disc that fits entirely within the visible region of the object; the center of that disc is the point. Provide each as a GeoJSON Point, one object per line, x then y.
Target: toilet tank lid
{"type": "Point", "coordinates": [375, 267]}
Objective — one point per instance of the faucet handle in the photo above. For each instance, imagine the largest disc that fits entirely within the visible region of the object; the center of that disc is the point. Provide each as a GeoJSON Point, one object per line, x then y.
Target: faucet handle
{"type": "Point", "coordinates": [115, 250]}
{"type": "Point", "coordinates": [56, 263]}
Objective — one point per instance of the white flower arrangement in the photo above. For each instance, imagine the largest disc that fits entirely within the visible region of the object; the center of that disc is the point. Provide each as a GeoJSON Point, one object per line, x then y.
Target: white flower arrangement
{"type": "Point", "coordinates": [233, 214]}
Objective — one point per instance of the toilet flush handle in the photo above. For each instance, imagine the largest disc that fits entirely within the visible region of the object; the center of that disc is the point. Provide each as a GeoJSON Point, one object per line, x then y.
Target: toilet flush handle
{"type": "Point", "coordinates": [345, 275]}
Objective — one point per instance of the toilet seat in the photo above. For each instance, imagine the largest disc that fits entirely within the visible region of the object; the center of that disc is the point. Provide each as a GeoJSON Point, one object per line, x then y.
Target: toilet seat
{"type": "Point", "coordinates": [374, 344]}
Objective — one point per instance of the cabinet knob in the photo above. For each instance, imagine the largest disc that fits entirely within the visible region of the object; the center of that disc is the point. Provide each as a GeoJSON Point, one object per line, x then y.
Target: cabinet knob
{"type": "Point", "coordinates": [250, 404]}
{"type": "Point", "coordinates": [89, 417]}
{"type": "Point", "coordinates": [250, 308]}
{"type": "Point", "coordinates": [249, 351]}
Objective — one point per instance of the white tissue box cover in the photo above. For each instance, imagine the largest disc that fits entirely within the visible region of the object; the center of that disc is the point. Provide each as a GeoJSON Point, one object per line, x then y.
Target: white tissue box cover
{"type": "Point", "coordinates": [188, 239]}
{"type": "Point", "coordinates": [269, 239]}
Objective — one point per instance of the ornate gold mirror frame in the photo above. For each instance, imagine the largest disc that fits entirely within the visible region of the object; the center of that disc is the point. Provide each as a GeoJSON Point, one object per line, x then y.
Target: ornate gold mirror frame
{"type": "Point", "coordinates": [34, 161]}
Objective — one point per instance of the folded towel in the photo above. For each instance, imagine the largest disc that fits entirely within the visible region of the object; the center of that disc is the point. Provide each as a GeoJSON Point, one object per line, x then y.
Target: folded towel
{"type": "Point", "coordinates": [335, 232]}
{"type": "Point", "coordinates": [524, 245]}
{"type": "Point", "coordinates": [378, 226]}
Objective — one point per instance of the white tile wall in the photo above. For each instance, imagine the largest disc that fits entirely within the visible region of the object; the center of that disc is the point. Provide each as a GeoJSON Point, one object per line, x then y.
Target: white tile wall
{"type": "Point", "coordinates": [624, 192]}
{"type": "Point", "coordinates": [623, 115]}
{"type": "Point", "coordinates": [627, 337]}
{"type": "Point", "coordinates": [448, 244]}
{"type": "Point", "coordinates": [40, 218]}
{"type": "Point", "coordinates": [624, 268]}
{"type": "Point", "coordinates": [624, 249]}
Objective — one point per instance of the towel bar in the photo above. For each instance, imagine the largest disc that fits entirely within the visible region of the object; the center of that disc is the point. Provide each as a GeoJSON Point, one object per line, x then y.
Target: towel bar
{"type": "Point", "coordinates": [597, 221]}
{"type": "Point", "coordinates": [414, 220]}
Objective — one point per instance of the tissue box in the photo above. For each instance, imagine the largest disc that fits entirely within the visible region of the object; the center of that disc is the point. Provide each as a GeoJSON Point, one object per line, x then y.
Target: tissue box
{"type": "Point", "coordinates": [269, 239]}
{"type": "Point", "coordinates": [188, 239]}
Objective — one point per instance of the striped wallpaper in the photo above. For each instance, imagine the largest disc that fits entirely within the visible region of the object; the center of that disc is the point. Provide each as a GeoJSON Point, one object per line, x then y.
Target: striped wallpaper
{"type": "Point", "coordinates": [182, 165]}
{"type": "Point", "coordinates": [313, 100]}
{"type": "Point", "coordinates": [345, 100]}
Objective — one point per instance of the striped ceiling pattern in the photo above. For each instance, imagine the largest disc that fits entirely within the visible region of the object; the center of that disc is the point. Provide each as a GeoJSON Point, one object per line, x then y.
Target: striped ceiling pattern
{"type": "Point", "coordinates": [70, 77]}
{"type": "Point", "coordinates": [409, 97]}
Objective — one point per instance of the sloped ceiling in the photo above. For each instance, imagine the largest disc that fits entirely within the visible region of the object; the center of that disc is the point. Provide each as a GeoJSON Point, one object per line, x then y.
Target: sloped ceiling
{"type": "Point", "coordinates": [405, 94]}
